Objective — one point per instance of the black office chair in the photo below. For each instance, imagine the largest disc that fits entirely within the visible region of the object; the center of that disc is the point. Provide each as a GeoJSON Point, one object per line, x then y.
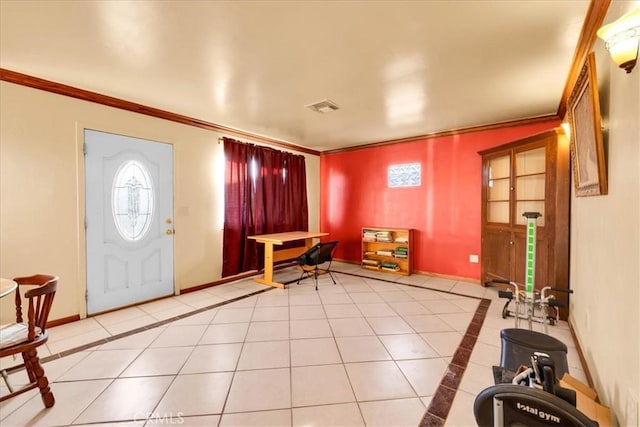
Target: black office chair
{"type": "Point", "coordinates": [316, 260]}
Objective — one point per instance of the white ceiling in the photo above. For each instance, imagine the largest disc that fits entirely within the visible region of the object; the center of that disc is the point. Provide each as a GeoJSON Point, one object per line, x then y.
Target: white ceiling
{"type": "Point", "coordinates": [395, 68]}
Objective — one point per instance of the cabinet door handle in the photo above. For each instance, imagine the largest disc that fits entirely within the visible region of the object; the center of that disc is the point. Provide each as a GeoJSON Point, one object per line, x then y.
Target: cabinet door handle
{"type": "Point", "coordinates": [511, 242]}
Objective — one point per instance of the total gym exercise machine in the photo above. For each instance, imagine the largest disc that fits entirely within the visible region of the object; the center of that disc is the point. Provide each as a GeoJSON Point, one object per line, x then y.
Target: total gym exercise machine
{"type": "Point", "coordinates": [531, 305]}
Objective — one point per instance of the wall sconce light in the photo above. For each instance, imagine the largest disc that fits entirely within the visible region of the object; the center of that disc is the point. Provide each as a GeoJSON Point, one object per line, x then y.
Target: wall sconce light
{"type": "Point", "coordinates": [622, 38]}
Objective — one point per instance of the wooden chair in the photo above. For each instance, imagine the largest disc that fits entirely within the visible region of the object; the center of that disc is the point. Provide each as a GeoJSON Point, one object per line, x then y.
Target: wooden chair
{"type": "Point", "coordinates": [25, 337]}
{"type": "Point", "coordinates": [316, 256]}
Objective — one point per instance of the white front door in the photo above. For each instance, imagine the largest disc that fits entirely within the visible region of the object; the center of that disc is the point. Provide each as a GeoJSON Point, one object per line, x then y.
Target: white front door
{"type": "Point", "coordinates": [129, 220]}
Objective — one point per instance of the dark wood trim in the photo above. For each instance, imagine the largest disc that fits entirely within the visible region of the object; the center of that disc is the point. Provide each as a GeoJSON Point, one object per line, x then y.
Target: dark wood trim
{"type": "Point", "coordinates": [592, 21]}
{"type": "Point", "coordinates": [453, 132]}
{"type": "Point", "coordinates": [583, 361]}
{"type": "Point", "coordinates": [63, 321]}
{"type": "Point", "coordinates": [85, 95]}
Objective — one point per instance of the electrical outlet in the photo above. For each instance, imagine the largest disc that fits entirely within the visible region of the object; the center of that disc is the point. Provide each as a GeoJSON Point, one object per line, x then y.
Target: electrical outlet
{"type": "Point", "coordinates": [473, 259]}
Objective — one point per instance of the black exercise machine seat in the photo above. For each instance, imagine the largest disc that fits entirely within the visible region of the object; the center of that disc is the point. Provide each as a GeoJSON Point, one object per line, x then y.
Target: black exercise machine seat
{"type": "Point", "coordinates": [519, 344]}
{"type": "Point", "coordinates": [517, 405]}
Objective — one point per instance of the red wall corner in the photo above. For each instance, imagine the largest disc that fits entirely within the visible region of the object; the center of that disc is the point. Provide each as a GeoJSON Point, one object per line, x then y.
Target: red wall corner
{"type": "Point", "coordinates": [444, 210]}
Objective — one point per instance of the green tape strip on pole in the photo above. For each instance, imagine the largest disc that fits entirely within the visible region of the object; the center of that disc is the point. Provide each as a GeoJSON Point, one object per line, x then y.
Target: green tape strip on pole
{"type": "Point", "coordinates": [531, 252]}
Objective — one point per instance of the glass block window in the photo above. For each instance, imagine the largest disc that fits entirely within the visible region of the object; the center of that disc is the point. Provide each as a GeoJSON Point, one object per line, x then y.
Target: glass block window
{"type": "Point", "coordinates": [404, 175]}
{"type": "Point", "coordinates": [132, 200]}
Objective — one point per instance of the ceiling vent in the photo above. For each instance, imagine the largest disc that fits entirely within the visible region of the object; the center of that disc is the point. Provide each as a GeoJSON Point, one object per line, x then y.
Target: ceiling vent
{"type": "Point", "coordinates": [324, 106]}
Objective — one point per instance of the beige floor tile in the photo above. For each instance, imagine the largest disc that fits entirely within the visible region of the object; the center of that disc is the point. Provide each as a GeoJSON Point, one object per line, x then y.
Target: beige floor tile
{"type": "Point", "coordinates": [476, 378]}
{"type": "Point", "coordinates": [445, 343]}
{"type": "Point", "coordinates": [350, 327]}
{"type": "Point", "coordinates": [59, 345]}
{"type": "Point", "coordinates": [177, 336]}
{"type": "Point", "coordinates": [396, 413]}
{"type": "Point", "coordinates": [340, 415]}
{"type": "Point", "coordinates": [158, 361]}
{"type": "Point", "coordinates": [385, 286]}
{"type": "Point", "coordinates": [407, 346]}
{"type": "Point", "coordinates": [461, 413]}
{"type": "Point", "coordinates": [395, 296]}
{"type": "Point", "coordinates": [268, 331]}
{"type": "Point", "coordinates": [424, 294]}
{"type": "Point", "coordinates": [366, 297]}
{"type": "Point", "coordinates": [101, 364]}
{"type": "Point", "coordinates": [467, 304]}
{"type": "Point", "coordinates": [212, 358]}
{"type": "Point", "coordinates": [315, 328]}
{"type": "Point", "coordinates": [264, 355]}
{"type": "Point", "coordinates": [315, 351]}
{"type": "Point", "coordinates": [232, 315]}
{"type": "Point", "coordinates": [200, 299]}
{"type": "Point", "coordinates": [162, 305]}
{"type": "Point", "coordinates": [182, 421]}
{"type": "Point", "coordinates": [55, 368]}
{"type": "Point", "coordinates": [361, 349]}
{"type": "Point", "coordinates": [342, 311]}
{"type": "Point", "coordinates": [203, 318]}
{"type": "Point", "coordinates": [304, 299]}
{"type": "Point", "coordinates": [424, 374]}
{"type": "Point", "coordinates": [126, 399]}
{"type": "Point", "coordinates": [264, 314]}
{"type": "Point", "coordinates": [71, 399]}
{"type": "Point", "coordinates": [357, 287]}
{"type": "Point", "coordinates": [172, 312]}
{"type": "Point", "coordinates": [485, 354]}
{"type": "Point", "coordinates": [225, 333]}
{"type": "Point", "coordinates": [320, 385]}
{"type": "Point", "coordinates": [277, 418]}
{"type": "Point", "coordinates": [272, 300]}
{"type": "Point", "coordinates": [457, 321]}
{"type": "Point", "coordinates": [389, 325]}
{"type": "Point", "coordinates": [307, 312]}
{"type": "Point", "coordinates": [128, 423]}
{"type": "Point", "coordinates": [117, 316]}
{"type": "Point", "coordinates": [427, 323]}
{"type": "Point", "coordinates": [378, 381]}
{"type": "Point", "coordinates": [130, 325]}
{"type": "Point", "coordinates": [196, 394]}
{"type": "Point", "coordinates": [140, 340]}
{"type": "Point", "coordinates": [335, 298]}
{"type": "Point", "coordinates": [441, 306]}
{"type": "Point", "coordinates": [376, 309]}
{"type": "Point", "coordinates": [409, 308]}
{"type": "Point", "coordinates": [260, 390]}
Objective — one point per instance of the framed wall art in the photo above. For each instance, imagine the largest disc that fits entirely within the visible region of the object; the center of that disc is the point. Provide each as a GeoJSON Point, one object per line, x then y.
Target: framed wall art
{"type": "Point", "coordinates": [587, 148]}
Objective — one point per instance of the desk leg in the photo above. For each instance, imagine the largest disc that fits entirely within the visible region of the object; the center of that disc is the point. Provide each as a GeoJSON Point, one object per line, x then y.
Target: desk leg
{"type": "Point", "coordinates": [268, 268]}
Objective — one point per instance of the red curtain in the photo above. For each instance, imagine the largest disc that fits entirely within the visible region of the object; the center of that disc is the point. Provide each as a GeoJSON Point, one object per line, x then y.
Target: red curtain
{"type": "Point", "coordinates": [265, 192]}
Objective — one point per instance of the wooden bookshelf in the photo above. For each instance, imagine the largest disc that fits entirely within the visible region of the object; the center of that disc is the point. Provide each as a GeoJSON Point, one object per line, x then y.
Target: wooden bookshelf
{"type": "Point", "coordinates": [389, 250]}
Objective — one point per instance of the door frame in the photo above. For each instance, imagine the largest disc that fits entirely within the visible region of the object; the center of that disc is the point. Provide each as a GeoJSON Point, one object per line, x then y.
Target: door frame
{"type": "Point", "coordinates": [80, 127]}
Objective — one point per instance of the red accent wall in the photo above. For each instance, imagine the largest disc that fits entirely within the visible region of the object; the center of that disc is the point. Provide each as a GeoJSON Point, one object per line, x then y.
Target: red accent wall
{"type": "Point", "coordinates": [444, 210]}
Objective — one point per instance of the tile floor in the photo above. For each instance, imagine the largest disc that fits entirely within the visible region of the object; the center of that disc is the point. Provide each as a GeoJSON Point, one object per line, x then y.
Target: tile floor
{"type": "Point", "coordinates": [372, 350]}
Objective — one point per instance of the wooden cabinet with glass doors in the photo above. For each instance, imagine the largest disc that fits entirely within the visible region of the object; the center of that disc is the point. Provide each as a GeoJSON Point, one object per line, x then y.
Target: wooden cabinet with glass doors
{"type": "Point", "coordinates": [527, 175]}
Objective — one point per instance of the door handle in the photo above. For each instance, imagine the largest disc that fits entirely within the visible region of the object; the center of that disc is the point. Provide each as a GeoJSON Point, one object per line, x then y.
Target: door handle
{"type": "Point", "coordinates": [169, 232]}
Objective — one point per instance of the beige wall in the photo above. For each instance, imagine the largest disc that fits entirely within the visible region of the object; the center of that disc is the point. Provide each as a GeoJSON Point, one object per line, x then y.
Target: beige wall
{"type": "Point", "coordinates": [605, 245]}
{"type": "Point", "coordinates": [42, 191]}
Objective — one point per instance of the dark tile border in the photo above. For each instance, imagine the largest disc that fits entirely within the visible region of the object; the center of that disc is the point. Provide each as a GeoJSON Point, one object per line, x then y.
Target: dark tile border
{"type": "Point", "coordinates": [136, 331]}
{"type": "Point", "coordinates": [441, 402]}
{"type": "Point", "coordinates": [442, 399]}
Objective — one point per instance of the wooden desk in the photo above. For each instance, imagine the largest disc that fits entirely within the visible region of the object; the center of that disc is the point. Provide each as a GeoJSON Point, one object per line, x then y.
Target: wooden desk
{"type": "Point", "coordinates": [271, 256]}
